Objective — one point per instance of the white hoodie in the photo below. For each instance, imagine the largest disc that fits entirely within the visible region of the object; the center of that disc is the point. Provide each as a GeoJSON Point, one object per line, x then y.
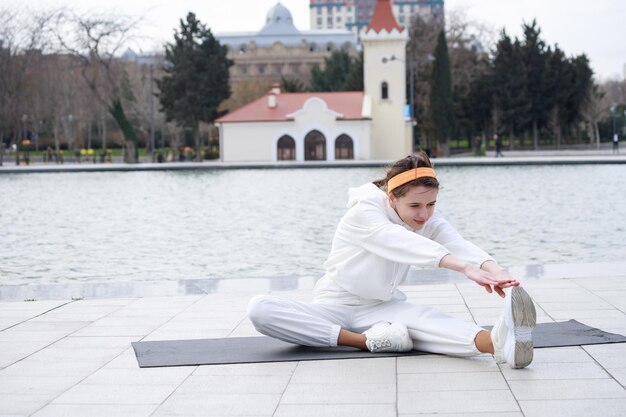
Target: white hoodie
{"type": "Point", "coordinates": [373, 249]}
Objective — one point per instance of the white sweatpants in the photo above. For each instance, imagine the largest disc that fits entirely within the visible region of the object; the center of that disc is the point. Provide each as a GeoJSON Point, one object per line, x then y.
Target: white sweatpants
{"type": "Point", "coordinates": [313, 324]}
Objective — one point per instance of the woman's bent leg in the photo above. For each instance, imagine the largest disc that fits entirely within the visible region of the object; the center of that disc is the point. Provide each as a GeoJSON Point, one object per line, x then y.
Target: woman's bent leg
{"type": "Point", "coordinates": [296, 322]}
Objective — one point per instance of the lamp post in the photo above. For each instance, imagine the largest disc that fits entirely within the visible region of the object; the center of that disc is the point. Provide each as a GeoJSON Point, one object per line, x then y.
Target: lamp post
{"type": "Point", "coordinates": [70, 140]}
{"type": "Point", "coordinates": [613, 107]}
{"type": "Point", "coordinates": [151, 115]}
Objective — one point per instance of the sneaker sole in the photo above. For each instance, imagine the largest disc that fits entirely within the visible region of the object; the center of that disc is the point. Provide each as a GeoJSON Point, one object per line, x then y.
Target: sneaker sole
{"type": "Point", "coordinates": [524, 320]}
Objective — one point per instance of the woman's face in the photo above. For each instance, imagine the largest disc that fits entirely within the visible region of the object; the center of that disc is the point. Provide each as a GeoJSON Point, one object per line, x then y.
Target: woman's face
{"type": "Point", "coordinates": [416, 206]}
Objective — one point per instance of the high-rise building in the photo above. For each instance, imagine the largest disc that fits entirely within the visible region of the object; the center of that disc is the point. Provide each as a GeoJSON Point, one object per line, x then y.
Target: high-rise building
{"type": "Point", "coordinates": [355, 15]}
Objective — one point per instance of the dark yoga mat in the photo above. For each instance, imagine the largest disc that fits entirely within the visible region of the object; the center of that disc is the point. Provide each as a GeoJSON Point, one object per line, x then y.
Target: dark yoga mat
{"type": "Point", "coordinates": [265, 349]}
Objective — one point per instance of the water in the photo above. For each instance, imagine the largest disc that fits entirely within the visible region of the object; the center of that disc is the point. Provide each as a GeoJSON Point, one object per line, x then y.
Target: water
{"type": "Point", "coordinates": [275, 223]}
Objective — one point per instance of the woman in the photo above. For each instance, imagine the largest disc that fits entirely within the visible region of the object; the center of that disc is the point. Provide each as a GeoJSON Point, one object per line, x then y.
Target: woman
{"type": "Point", "coordinates": [390, 225]}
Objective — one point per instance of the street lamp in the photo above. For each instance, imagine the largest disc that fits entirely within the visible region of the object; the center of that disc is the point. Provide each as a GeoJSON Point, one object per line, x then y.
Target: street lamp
{"type": "Point", "coordinates": [25, 140]}
{"type": "Point", "coordinates": [70, 140]}
{"type": "Point", "coordinates": [613, 107]}
{"type": "Point", "coordinates": [24, 132]}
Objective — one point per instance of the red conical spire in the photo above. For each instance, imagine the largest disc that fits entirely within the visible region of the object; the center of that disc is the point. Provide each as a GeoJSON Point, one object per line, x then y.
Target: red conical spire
{"type": "Point", "coordinates": [383, 18]}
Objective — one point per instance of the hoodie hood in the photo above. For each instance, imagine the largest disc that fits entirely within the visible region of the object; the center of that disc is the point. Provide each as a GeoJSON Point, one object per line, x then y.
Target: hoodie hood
{"type": "Point", "coordinates": [367, 191]}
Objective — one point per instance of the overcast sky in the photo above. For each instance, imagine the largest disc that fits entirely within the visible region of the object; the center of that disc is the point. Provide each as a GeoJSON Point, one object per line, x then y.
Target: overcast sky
{"type": "Point", "coordinates": [597, 28]}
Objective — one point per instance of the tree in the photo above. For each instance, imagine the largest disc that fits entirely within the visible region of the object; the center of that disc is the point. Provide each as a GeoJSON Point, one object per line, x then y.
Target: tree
{"type": "Point", "coordinates": [291, 85]}
{"type": "Point", "coordinates": [559, 80]}
{"type": "Point", "coordinates": [509, 83]}
{"type": "Point", "coordinates": [419, 50]}
{"type": "Point", "coordinates": [196, 77]}
{"type": "Point", "coordinates": [534, 56]}
{"type": "Point", "coordinates": [94, 40]}
{"type": "Point", "coordinates": [22, 42]}
{"type": "Point", "coordinates": [474, 115]}
{"type": "Point", "coordinates": [441, 106]}
{"type": "Point", "coordinates": [583, 88]}
{"type": "Point", "coordinates": [354, 80]}
{"type": "Point", "coordinates": [341, 72]}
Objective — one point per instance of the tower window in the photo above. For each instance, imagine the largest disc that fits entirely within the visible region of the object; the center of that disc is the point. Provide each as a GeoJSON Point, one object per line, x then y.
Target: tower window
{"type": "Point", "coordinates": [384, 90]}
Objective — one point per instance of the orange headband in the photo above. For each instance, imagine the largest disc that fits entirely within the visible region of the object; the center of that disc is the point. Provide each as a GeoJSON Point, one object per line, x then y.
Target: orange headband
{"type": "Point", "coordinates": [410, 175]}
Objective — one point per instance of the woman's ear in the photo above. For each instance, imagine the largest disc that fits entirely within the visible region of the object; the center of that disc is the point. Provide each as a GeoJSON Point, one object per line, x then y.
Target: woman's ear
{"type": "Point", "coordinates": [392, 201]}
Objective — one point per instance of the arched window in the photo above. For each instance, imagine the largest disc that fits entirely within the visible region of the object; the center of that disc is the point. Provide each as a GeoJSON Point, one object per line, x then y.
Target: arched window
{"type": "Point", "coordinates": [384, 90]}
{"type": "Point", "coordinates": [286, 148]}
{"type": "Point", "coordinates": [314, 146]}
{"type": "Point", "coordinates": [344, 147]}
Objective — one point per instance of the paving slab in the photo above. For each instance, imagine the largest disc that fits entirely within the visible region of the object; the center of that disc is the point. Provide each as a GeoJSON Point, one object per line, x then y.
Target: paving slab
{"type": "Point", "coordinates": [510, 414]}
{"type": "Point", "coordinates": [96, 410]}
{"type": "Point", "coordinates": [114, 394]}
{"type": "Point", "coordinates": [574, 408]}
{"type": "Point", "coordinates": [351, 371]}
{"type": "Point", "coordinates": [219, 405]}
{"type": "Point", "coordinates": [202, 385]}
{"type": "Point", "coordinates": [572, 389]}
{"type": "Point", "coordinates": [368, 392]}
{"type": "Point", "coordinates": [336, 410]}
{"type": "Point", "coordinates": [456, 402]}
{"type": "Point", "coordinates": [460, 381]}
{"type": "Point", "coordinates": [551, 370]}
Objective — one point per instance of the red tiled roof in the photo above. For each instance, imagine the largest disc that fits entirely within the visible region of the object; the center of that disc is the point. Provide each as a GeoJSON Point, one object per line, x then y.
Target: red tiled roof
{"type": "Point", "coordinates": [383, 18]}
{"type": "Point", "coordinates": [348, 103]}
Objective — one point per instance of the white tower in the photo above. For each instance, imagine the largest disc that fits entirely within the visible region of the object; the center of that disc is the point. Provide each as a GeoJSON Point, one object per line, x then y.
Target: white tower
{"type": "Point", "coordinates": [384, 43]}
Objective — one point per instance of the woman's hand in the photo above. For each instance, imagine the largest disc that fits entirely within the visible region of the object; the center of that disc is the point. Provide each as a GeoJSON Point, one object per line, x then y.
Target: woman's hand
{"type": "Point", "coordinates": [489, 275]}
{"type": "Point", "coordinates": [497, 280]}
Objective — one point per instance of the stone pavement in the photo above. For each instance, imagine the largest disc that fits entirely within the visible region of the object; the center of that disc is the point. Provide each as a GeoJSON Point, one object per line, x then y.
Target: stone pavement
{"type": "Point", "coordinates": [73, 358]}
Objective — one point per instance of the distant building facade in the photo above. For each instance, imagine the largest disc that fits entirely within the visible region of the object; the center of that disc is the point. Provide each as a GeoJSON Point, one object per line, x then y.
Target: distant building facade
{"type": "Point", "coordinates": [355, 15]}
{"type": "Point", "coordinates": [280, 49]}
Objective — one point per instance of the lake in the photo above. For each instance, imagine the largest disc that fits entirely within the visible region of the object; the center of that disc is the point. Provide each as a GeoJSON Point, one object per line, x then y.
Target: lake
{"type": "Point", "coordinates": [172, 225]}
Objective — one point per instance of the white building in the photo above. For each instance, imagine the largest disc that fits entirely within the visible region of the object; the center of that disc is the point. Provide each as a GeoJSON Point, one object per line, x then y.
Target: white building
{"type": "Point", "coordinates": [355, 15]}
{"type": "Point", "coordinates": [362, 125]}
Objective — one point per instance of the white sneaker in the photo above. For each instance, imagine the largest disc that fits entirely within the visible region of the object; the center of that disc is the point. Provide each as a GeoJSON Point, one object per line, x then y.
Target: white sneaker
{"type": "Point", "coordinates": [386, 337]}
{"type": "Point", "coordinates": [512, 334]}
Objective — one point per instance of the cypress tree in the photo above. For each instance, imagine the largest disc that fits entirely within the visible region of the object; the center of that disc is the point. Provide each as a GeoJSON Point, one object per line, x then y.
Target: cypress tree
{"type": "Point", "coordinates": [534, 55]}
{"type": "Point", "coordinates": [509, 82]}
{"type": "Point", "coordinates": [441, 105]}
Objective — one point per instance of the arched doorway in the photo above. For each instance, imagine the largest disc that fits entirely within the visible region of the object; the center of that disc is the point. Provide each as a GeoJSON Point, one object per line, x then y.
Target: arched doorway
{"type": "Point", "coordinates": [314, 146]}
{"type": "Point", "coordinates": [344, 147]}
{"type": "Point", "coordinates": [286, 148]}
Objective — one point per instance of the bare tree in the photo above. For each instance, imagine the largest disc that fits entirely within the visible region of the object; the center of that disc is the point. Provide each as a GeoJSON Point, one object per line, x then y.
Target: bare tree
{"type": "Point", "coordinates": [22, 41]}
{"type": "Point", "coordinates": [94, 40]}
